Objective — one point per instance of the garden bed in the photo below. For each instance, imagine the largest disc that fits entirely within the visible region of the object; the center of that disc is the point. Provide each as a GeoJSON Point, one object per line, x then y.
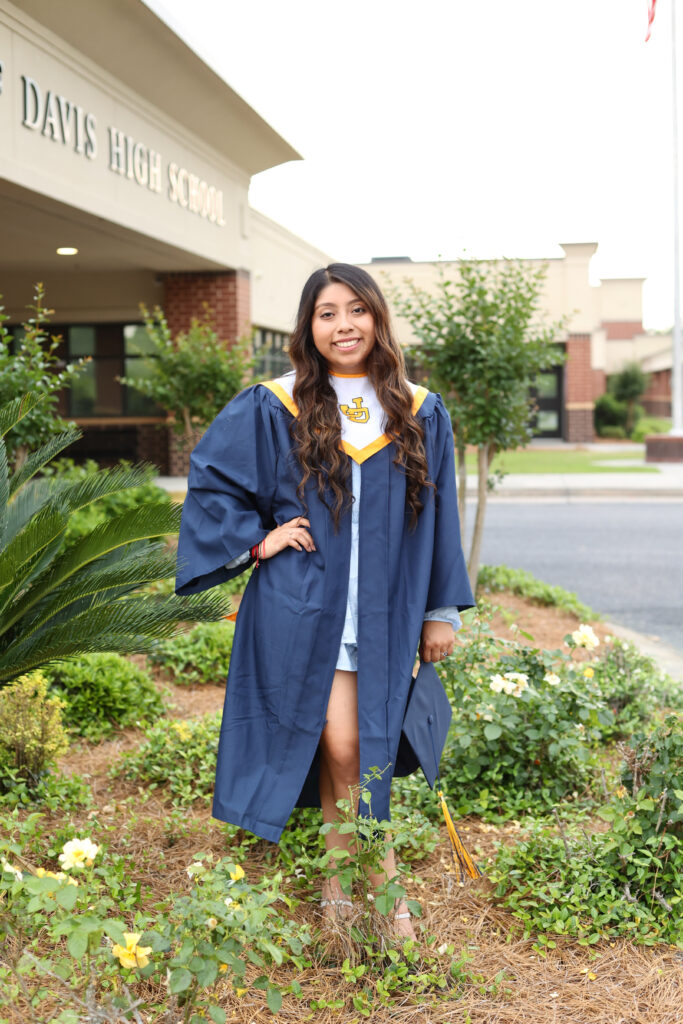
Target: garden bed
{"type": "Point", "coordinates": [499, 977]}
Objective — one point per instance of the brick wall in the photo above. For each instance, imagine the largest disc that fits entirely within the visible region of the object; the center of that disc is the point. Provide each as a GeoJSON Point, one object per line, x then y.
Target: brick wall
{"type": "Point", "coordinates": [580, 384]}
{"type": "Point", "coordinates": [226, 296]}
{"type": "Point", "coordinates": [152, 446]}
{"type": "Point", "coordinates": [657, 398]}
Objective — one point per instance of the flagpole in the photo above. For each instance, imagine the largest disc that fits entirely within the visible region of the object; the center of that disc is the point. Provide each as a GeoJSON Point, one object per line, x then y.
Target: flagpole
{"type": "Point", "coordinates": [676, 372]}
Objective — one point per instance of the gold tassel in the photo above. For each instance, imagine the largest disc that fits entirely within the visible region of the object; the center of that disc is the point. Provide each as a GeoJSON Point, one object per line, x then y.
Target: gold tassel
{"type": "Point", "coordinates": [463, 862]}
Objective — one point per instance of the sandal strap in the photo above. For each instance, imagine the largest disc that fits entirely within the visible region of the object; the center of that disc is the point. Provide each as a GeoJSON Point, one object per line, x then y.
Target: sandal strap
{"type": "Point", "coordinates": [336, 903]}
{"type": "Point", "coordinates": [401, 917]}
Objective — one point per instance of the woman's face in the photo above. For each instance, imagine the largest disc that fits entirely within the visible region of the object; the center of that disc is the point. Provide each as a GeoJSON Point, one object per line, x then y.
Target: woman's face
{"type": "Point", "coordinates": [343, 329]}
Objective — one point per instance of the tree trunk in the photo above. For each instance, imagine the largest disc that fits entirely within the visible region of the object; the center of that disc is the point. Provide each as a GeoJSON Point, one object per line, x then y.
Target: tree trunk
{"type": "Point", "coordinates": [188, 425]}
{"type": "Point", "coordinates": [20, 456]}
{"type": "Point", "coordinates": [462, 489]}
{"type": "Point", "coordinates": [630, 411]}
{"type": "Point", "coordinates": [482, 493]}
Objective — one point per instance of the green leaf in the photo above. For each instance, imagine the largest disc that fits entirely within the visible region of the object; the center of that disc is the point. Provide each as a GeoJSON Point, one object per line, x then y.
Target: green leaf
{"type": "Point", "coordinates": [180, 980]}
{"type": "Point", "coordinates": [217, 1015]}
{"type": "Point", "coordinates": [77, 943]}
{"type": "Point", "coordinates": [492, 731]}
{"type": "Point", "coordinates": [67, 897]}
{"type": "Point", "coordinates": [274, 1000]}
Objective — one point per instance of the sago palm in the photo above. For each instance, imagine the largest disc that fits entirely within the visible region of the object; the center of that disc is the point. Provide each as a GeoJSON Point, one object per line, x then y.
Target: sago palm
{"type": "Point", "coordinates": [58, 601]}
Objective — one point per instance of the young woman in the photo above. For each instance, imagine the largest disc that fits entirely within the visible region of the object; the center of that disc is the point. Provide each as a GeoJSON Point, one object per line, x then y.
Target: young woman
{"type": "Point", "coordinates": [338, 480]}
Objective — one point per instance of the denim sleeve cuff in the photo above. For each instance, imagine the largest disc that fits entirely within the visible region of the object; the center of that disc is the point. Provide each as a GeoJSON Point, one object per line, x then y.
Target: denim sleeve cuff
{"type": "Point", "coordinates": [450, 615]}
{"type": "Point", "coordinates": [239, 560]}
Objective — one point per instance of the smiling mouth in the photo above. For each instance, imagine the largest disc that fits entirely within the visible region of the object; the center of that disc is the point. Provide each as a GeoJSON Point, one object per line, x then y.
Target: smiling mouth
{"type": "Point", "coordinates": [349, 343]}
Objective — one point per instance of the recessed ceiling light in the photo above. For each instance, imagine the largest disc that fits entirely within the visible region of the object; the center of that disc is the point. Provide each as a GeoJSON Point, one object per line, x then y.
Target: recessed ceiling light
{"type": "Point", "coordinates": [66, 250]}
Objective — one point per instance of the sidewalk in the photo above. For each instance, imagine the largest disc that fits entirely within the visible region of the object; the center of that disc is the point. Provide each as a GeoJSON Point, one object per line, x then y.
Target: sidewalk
{"type": "Point", "coordinates": [667, 483]}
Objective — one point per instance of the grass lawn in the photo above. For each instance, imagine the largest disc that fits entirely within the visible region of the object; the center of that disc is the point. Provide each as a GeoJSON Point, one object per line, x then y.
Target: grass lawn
{"type": "Point", "coordinates": [533, 460]}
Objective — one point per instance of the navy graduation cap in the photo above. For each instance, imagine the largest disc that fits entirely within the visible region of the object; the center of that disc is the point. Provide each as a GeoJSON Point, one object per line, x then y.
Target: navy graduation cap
{"type": "Point", "coordinates": [425, 725]}
{"type": "Point", "coordinates": [423, 738]}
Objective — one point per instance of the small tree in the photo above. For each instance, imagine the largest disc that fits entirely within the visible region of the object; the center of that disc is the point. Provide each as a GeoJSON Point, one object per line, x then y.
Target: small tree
{"type": "Point", "coordinates": [627, 386]}
{"type": "Point", "coordinates": [483, 342]}
{"type": "Point", "coordinates": [193, 375]}
{"type": "Point", "coordinates": [33, 366]}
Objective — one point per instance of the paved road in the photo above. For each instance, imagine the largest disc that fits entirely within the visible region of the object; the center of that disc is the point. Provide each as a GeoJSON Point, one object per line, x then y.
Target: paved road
{"type": "Point", "coordinates": [625, 559]}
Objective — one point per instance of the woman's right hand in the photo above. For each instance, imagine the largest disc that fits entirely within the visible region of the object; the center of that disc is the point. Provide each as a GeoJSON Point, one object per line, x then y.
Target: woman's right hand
{"type": "Point", "coordinates": [292, 534]}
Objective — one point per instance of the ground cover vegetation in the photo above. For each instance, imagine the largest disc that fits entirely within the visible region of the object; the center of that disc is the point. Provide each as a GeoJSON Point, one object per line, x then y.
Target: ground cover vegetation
{"type": "Point", "coordinates": [557, 460]}
{"type": "Point", "coordinates": [564, 767]}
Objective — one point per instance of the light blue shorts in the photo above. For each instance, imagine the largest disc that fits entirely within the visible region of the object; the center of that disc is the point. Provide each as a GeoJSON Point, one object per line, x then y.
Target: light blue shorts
{"type": "Point", "coordinates": [348, 657]}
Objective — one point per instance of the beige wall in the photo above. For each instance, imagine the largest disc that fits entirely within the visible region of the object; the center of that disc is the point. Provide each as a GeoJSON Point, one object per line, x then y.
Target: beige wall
{"type": "Point", "coordinates": [68, 155]}
{"type": "Point", "coordinates": [567, 292]}
{"type": "Point", "coordinates": [280, 264]}
{"type": "Point", "coordinates": [85, 297]}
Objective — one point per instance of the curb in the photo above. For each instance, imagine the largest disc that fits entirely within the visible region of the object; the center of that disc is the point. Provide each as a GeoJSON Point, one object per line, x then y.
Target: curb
{"type": "Point", "coordinates": [668, 658]}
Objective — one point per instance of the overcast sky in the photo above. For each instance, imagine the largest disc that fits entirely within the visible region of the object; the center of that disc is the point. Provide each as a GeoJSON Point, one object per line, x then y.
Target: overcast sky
{"type": "Point", "coordinates": [450, 127]}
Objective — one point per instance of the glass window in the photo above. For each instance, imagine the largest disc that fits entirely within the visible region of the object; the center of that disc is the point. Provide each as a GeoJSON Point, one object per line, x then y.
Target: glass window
{"type": "Point", "coordinates": [136, 340]}
{"type": "Point", "coordinates": [137, 403]}
{"type": "Point", "coordinates": [81, 341]}
{"type": "Point", "coordinates": [546, 385]}
{"type": "Point", "coordinates": [548, 421]}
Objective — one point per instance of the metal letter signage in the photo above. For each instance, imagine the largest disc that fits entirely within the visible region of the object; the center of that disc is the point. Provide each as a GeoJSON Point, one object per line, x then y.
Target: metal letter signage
{"type": "Point", "coordinates": [59, 119]}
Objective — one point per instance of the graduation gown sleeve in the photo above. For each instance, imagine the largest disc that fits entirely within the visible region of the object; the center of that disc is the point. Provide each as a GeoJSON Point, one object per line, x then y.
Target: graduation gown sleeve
{"type": "Point", "coordinates": [448, 582]}
{"type": "Point", "coordinates": [228, 507]}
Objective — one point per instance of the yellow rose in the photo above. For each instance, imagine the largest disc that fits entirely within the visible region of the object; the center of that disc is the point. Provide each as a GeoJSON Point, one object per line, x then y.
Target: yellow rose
{"type": "Point", "coordinates": [132, 955]}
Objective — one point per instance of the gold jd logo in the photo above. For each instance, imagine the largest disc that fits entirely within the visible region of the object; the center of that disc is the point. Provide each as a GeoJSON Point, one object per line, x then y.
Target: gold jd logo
{"type": "Point", "coordinates": [357, 415]}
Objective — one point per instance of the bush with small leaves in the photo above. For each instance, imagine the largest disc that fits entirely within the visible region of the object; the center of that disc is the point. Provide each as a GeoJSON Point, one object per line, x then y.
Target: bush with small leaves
{"type": "Point", "coordinates": [177, 754]}
{"type": "Point", "coordinates": [32, 735]}
{"type": "Point", "coordinates": [104, 692]}
{"type": "Point", "coordinates": [624, 882]}
{"type": "Point", "coordinates": [201, 655]}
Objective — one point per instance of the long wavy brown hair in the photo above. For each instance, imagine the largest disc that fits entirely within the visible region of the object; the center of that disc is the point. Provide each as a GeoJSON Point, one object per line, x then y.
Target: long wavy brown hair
{"type": "Point", "coordinates": [317, 429]}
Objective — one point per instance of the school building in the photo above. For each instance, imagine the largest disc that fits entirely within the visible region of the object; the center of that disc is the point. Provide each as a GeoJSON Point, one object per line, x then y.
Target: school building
{"type": "Point", "coordinates": [125, 164]}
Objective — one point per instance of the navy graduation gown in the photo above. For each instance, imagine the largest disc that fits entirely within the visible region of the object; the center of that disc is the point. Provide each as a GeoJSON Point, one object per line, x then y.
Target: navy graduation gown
{"type": "Point", "coordinates": [243, 482]}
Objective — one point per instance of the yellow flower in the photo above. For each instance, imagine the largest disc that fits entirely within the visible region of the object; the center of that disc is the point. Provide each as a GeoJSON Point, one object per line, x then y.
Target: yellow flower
{"type": "Point", "coordinates": [237, 873]}
{"type": "Point", "coordinates": [621, 792]}
{"type": "Point", "coordinates": [77, 853]}
{"type": "Point", "coordinates": [132, 955]}
{"type": "Point", "coordinates": [588, 672]}
{"type": "Point", "coordinates": [240, 992]}
{"type": "Point", "coordinates": [222, 968]}
{"type": "Point", "coordinates": [182, 729]}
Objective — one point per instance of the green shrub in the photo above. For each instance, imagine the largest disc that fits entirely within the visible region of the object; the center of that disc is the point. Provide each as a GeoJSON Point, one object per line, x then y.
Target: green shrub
{"type": "Point", "coordinates": [609, 412]}
{"type": "Point", "coordinates": [201, 655]}
{"type": "Point", "coordinates": [104, 692]}
{"type": "Point", "coordinates": [494, 578]}
{"type": "Point", "coordinates": [650, 425]}
{"type": "Point", "coordinates": [31, 732]}
{"type": "Point", "coordinates": [618, 433]}
{"type": "Point", "coordinates": [625, 882]}
{"type": "Point", "coordinates": [82, 523]}
{"type": "Point", "coordinates": [634, 688]}
{"type": "Point", "coordinates": [180, 754]}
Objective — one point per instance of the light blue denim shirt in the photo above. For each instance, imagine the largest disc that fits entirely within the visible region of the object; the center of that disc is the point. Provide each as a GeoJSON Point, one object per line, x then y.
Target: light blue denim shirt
{"type": "Point", "coordinates": [348, 652]}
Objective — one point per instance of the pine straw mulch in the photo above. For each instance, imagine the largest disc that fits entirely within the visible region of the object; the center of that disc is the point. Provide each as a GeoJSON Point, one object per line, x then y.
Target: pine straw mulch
{"type": "Point", "coordinates": [632, 984]}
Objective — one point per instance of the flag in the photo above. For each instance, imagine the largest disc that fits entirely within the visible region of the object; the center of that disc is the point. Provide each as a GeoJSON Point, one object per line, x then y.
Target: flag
{"type": "Point", "coordinates": [650, 17]}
